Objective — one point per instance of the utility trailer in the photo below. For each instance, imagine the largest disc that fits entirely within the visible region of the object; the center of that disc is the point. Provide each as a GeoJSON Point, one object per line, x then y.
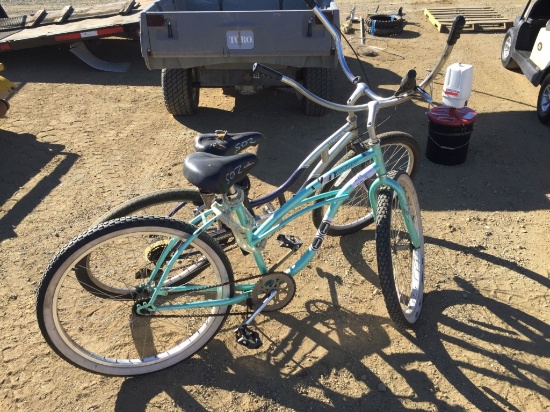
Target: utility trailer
{"type": "Point", "coordinates": [73, 26]}
{"type": "Point", "coordinates": [214, 43]}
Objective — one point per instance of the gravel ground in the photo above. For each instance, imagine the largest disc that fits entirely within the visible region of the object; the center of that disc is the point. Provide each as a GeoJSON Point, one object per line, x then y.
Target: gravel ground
{"type": "Point", "coordinates": [77, 142]}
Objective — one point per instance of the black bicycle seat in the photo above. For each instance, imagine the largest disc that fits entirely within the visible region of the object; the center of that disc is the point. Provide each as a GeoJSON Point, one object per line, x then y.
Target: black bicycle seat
{"type": "Point", "coordinates": [216, 174]}
{"type": "Point", "coordinates": [226, 144]}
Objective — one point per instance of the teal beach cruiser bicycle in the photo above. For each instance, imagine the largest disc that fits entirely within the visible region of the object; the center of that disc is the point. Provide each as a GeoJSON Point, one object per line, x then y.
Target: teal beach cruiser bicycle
{"type": "Point", "coordinates": [138, 294]}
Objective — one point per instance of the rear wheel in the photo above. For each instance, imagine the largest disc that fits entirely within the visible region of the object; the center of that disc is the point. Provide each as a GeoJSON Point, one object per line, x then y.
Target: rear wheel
{"type": "Point", "coordinates": [181, 204]}
{"type": "Point", "coordinates": [102, 331]}
{"type": "Point", "coordinates": [180, 91]}
{"type": "Point", "coordinates": [506, 51]}
{"type": "Point", "coordinates": [400, 265]}
{"type": "Point", "coordinates": [401, 152]}
{"type": "Point", "coordinates": [543, 102]}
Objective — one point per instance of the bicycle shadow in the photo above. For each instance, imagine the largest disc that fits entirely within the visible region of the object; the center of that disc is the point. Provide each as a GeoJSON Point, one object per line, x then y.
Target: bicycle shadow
{"type": "Point", "coordinates": [506, 331]}
{"type": "Point", "coordinates": [23, 159]}
{"type": "Point", "coordinates": [348, 246]}
{"type": "Point", "coordinates": [270, 376]}
{"type": "Point", "coordinates": [328, 344]}
{"type": "Point", "coordinates": [503, 328]}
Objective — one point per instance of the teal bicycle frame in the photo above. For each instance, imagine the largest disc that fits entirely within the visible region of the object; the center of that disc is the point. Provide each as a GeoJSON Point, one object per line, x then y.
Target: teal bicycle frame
{"type": "Point", "coordinates": [251, 235]}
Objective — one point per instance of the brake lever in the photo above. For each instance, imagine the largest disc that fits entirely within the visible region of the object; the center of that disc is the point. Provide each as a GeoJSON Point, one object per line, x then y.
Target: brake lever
{"type": "Point", "coordinates": [424, 94]}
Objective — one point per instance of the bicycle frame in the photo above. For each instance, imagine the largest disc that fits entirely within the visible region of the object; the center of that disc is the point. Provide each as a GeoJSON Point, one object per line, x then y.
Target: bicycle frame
{"type": "Point", "coordinates": [251, 235]}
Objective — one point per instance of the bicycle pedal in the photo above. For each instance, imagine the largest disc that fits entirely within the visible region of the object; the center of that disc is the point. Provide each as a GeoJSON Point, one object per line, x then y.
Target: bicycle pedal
{"type": "Point", "coordinates": [247, 337]}
{"type": "Point", "coordinates": [290, 242]}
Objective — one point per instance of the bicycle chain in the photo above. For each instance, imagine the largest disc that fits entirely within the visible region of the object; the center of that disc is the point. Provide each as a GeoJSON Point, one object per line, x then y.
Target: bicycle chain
{"type": "Point", "coordinates": [230, 313]}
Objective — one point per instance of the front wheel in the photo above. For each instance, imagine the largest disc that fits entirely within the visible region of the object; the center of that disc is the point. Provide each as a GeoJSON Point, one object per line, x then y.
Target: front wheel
{"type": "Point", "coordinates": [400, 265]}
{"type": "Point", "coordinates": [102, 331]}
{"type": "Point", "coordinates": [543, 101]}
{"type": "Point", "coordinates": [401, 152]}
{"type": "Point", "coordinates": [506, 51]}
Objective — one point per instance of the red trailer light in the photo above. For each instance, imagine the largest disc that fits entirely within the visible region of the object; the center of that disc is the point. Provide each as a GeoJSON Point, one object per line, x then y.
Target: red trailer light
{"type": "Point", "coordinates": [155, 20]}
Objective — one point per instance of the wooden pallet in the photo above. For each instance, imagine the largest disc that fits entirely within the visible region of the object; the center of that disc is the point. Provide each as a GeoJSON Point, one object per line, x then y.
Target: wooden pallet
{"type": "Point", "coordinates": [477, 18]}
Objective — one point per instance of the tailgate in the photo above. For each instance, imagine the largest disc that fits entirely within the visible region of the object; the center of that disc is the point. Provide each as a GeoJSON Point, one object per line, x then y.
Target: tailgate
{"type": "Point", "coordinates": [172, 39]}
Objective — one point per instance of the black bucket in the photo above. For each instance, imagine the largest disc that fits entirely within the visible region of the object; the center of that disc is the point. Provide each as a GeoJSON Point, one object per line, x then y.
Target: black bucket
{"type": "Point", "coordinates": [449, 134]}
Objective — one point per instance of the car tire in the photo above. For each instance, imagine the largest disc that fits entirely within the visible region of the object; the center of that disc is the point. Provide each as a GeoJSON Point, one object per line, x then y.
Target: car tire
{"type": "Point", "coordinates": [543, 101]}
{"type": "Point", "coordinates": [506, 50]}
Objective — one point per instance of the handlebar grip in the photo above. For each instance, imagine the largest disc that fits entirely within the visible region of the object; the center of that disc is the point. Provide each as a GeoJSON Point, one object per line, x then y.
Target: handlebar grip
{"type": "Point", "coordinates": [311, 3]}
{"type": "Point", "coordinates": [267, 71]}
{"type": "Point", "coordinates": [456, 29]}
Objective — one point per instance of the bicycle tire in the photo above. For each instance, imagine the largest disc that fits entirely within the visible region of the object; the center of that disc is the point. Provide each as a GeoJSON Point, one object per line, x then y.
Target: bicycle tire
{"type": "Point", "coordinates": [102, 333]}
{"type": "Point", "coordinates": [400, 267]}
{"type": "Point", "coordinates": [167, 202]}
{"type": "Point", "coordinates": [163, 202]}
{"type": "Point", "coordinates": [401, 152]}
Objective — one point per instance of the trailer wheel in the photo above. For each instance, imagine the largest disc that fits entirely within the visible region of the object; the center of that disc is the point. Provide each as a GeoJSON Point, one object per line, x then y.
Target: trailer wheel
{"type": "Point", "coordinates": [317, 80]}
{"type": "Point", "coordinates": [543, 102]}
{"type": "Point", "coordinates": [181, 95]}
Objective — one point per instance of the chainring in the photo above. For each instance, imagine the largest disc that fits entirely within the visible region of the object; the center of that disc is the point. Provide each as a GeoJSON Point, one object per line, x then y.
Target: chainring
{"type": "Point", "coordinates": [283, 283]}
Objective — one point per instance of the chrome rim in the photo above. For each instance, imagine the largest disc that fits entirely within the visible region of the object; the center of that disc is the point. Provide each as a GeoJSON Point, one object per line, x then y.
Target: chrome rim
{"type": "Point", "coordinates": [507, 47]}
{"type": "Point", "coordinates": [545, 100]}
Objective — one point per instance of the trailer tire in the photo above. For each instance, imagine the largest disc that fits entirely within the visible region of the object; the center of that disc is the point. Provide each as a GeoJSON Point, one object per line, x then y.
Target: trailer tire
{"type": "Point", "coordinates": [181, 95]}
{"type": "Point", "coordinates": [318, 80]}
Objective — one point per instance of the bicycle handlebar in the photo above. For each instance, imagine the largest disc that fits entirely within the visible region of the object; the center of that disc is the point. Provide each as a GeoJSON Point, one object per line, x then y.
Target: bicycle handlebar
{"type": "Point", "coordinates": [408, 84]}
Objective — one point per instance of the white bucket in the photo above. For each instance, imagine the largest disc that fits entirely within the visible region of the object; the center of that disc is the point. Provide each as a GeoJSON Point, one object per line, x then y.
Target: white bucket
{"type": "Point", "coordinates": [458, 85]}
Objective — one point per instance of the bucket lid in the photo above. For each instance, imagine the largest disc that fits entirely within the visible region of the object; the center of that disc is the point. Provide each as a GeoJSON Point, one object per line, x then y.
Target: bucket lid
{"type": "Point", "coordinates": [451, 116]}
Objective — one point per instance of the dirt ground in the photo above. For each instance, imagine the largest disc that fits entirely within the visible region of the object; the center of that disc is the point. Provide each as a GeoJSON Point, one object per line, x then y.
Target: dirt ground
{"type": "Point", "coordinates": [77, 142]}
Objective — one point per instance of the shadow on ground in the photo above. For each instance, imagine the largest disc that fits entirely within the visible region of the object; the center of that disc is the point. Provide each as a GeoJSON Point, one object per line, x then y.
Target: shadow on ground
{"type": "Point", "coordinates": [346, 338]}
{"type": "Point", "coordinates": [23, 159]}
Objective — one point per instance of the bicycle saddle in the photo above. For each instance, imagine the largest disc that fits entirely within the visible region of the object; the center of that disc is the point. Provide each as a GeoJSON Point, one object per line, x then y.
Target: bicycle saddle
{"type": "Point", "coordinates": [222, 143]}
{"type": "Point", "coordinates": [216, 174]}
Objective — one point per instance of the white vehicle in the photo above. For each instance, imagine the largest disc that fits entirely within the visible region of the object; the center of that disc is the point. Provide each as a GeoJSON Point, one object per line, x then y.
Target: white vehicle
{"type": "Point", "coordinates": [526, 47]}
